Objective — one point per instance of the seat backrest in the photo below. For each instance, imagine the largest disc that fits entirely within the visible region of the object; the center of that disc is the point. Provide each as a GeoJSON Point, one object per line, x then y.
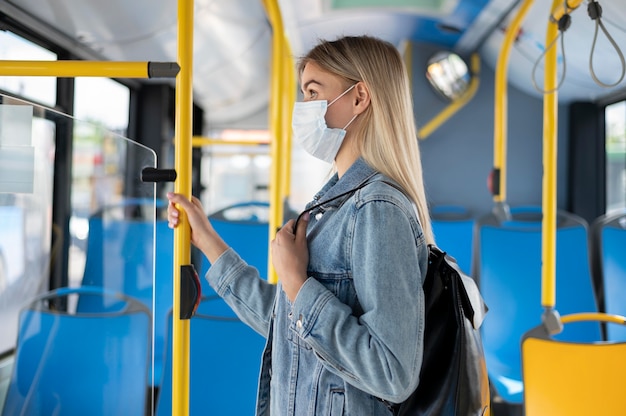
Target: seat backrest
{"type": "Point", "coordinates": [572, 378]}
{"type": "Point", "coordinates": [72, 363]}
{"type": "Point", "coordinates": [120, 257]}
{"type": "Point", "coordinates": [610, 260]}
{"type": "Point", "coordinates": [245, 228]}
{"type": "Point", "coordinates": [225, 357]}
{"type": "Point", "coordinates": [509, 271]}
{"type": "Point", "coordinates": [453, 227]}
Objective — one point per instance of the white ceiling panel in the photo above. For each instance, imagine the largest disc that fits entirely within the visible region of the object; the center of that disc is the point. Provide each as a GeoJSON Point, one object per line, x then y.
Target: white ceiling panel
{"type": "Point", "coordinates": [232, 39]}
{"type": "Point", "coordinates": [231, 44]}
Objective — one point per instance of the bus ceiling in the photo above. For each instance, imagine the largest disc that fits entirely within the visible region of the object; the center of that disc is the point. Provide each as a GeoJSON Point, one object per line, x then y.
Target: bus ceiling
{"type": "Point", "coordinates": [232, 40]}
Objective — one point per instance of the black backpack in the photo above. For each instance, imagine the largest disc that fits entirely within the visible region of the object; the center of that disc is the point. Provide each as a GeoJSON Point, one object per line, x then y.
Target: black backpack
{"type": "Point", "coordinates": [453, 378]}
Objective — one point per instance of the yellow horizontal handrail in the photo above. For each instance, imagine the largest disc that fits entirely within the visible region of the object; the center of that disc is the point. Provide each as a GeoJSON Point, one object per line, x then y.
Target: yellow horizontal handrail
{"type": "Point", "coordinates": [105, 69]}
{"type": "Point", "coordinates": [198, 141]}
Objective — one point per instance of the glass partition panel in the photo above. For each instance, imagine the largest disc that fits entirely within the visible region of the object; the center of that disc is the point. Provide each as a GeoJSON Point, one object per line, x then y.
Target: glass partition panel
{"type": "Point", "coordinates": [26, 168]}
{"type": "Point", "coordinates": [95, 345]}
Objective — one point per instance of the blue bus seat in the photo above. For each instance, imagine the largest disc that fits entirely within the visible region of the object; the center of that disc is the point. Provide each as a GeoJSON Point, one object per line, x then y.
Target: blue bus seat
{"type": "Point", "coordinates": [72, 363]}
{"type": "Point", "coordinates": [245, 228]}
{"type": "Point", "coordinates": [610, 267]}
{"type": "Point", "coordinates": [120, 257]}
{"type": "Point", "coordinates": [225, 359]}
{"type": "Point", "coordinates": [453, 227]}
{"type": "Point", "coordinates": [509, 271]}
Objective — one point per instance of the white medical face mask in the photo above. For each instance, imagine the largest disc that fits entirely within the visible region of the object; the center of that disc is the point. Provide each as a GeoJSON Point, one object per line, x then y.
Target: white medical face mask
{"type": "Point", "coordinates": [310, 129]}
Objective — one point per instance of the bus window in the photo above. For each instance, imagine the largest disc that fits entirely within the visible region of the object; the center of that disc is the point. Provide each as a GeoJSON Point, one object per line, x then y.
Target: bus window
{"type": "Point", "coordinates": [234, 173]}
{"type": "Point", "coordinates": [39, 89]}
{"type": "Point", "coordinates": [615, 156]}
{"type": "Point", "coordinates": [103, 104]}
{"type": "Point", "coordinates": [102, 101]}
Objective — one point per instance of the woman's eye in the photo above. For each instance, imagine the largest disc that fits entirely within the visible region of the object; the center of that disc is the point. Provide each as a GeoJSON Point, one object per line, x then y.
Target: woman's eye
{"type": "Point", "coordinates": [312, 94]}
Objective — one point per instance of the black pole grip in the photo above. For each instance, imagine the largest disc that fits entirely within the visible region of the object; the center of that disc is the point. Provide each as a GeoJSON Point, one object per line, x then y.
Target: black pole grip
{"type": "Point", "coordinates": [158, 175]}
{"type": "Point", "coordinates": [494, 182]}
{"type": "Point", "coordinates": [163, 69]}
{"type": "Point", "coordinates": [190, 291]}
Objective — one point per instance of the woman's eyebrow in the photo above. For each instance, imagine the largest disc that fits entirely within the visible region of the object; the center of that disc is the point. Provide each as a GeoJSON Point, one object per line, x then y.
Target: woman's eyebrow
{"type": "Point", "coordinates": [309, 82]}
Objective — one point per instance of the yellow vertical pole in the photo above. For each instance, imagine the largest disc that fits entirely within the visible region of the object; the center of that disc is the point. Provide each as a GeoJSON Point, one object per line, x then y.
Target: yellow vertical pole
{"type": "Point", "coordinates": [287, 99]}
{"type": "Point", "coordinates": [550, 118]}
{"type": "Point", "coordinates": [182, 234]}
{"type": "Point", "coordinates": [407, 55]}
{"type": "Point", "coordinates": [501, 102]}
{"type": "Point", "coordinates": [550, 150]}
{"type": "Point", "coordinates": [276, 125]}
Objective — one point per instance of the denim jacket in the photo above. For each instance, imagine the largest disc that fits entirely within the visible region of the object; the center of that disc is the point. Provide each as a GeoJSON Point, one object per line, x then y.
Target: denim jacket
{"type": "Point", "coordinates": [354, 333]}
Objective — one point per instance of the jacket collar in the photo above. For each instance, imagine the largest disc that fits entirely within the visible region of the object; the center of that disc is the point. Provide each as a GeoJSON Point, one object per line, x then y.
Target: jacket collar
{"type": "Point", "coordinates": [356, 175]}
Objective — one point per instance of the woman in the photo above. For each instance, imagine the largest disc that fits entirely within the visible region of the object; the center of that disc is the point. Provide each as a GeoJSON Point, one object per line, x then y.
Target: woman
{"type": "Point", "coordinates": [345, 324]}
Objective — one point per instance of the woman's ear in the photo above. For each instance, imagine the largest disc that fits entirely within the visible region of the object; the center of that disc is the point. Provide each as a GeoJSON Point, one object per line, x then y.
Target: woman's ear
{"type": "Point", "coordinates": [362, 97]}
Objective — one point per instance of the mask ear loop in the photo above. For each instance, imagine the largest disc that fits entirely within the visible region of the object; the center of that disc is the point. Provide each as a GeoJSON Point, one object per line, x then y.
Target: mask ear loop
{"type": "Point", "coordinates": [341, 95]}
{"type": "Point", "coordinates": [350, 122]}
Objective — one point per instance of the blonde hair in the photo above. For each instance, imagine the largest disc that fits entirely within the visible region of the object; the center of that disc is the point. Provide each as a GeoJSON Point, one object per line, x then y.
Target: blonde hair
{"type": "Point", "coordinates": [386, 133]}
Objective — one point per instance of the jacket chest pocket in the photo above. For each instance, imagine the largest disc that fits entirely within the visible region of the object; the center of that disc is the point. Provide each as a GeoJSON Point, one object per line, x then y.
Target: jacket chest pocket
{"type": "Point", "coordinates": [342, 286]}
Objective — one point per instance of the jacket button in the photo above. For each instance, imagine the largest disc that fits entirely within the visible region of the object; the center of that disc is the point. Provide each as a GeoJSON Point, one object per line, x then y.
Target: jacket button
{"type": "Point", "coordinates": [318, 216]}
{"type": "Point", "coordinates": [299, 322]}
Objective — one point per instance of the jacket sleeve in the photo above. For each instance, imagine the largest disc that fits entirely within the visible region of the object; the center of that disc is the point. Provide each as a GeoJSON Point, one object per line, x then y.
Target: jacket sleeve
{"type": "Point", "coordinates": [241, 287]}
{"type": "Point", "coordinates": [380, 351]}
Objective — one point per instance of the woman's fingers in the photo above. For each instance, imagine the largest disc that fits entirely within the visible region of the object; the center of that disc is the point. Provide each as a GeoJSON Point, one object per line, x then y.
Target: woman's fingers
{"type": "Point", "coordinates": [173, 213]}
{"type": "Point", "coordinates": [301, 228]}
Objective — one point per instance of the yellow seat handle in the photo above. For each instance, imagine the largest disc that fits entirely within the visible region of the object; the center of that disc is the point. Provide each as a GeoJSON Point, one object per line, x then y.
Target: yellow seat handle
{"type": "Point", "coordinates": [593, 316]}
